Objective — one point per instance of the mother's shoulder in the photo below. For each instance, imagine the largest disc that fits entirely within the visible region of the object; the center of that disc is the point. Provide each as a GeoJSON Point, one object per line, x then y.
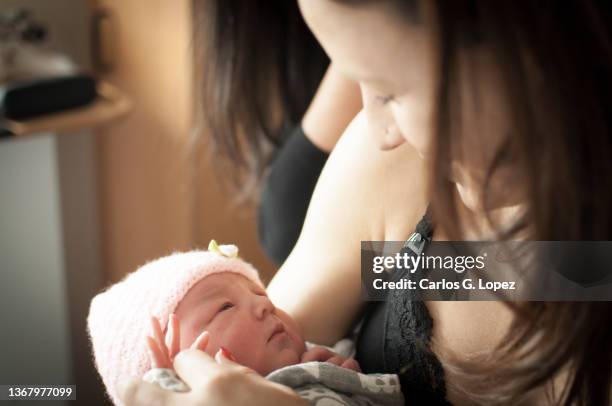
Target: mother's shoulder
{"type": "Point", "coordinates": [388, 186]}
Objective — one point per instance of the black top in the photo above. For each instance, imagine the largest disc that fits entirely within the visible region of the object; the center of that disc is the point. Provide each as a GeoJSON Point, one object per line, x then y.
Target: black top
{"type": "Point", "coordinates": [286, 194]}
{"type": "Point", "coordinates": [396, 333]}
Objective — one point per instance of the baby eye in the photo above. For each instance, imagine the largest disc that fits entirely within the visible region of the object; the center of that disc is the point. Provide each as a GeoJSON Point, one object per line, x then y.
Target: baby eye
{"type": "Point", "coordinates": [225, 306]}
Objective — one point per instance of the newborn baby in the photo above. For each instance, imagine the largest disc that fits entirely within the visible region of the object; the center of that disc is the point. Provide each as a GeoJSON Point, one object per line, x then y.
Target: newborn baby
{"type": "Point", "coordinates": [238, 315]}
{"type": "Point", "coordinates": [216, 302]}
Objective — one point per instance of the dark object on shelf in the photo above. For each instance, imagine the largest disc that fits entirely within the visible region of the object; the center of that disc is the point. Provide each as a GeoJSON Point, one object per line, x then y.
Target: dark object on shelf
{"type": "Point", "coordinates": [34, 99]}
{"type": "Point", "coordinates": [109, 105]}
{"type": "Point", "coordinates": [19, 25]}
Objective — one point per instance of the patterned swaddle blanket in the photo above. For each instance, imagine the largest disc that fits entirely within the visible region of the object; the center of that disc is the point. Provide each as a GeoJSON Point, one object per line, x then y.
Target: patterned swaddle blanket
{"type": "Point", "coordinates": [324, 384]}
{"type": "Point", "coordinates": [321, 383]}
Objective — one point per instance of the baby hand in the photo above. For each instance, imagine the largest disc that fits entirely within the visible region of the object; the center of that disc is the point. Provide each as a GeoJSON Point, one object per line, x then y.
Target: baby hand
{"type": "Point", "coordinates": [162, 352]}
{"type": "Point", "coordinates": [323, 354]}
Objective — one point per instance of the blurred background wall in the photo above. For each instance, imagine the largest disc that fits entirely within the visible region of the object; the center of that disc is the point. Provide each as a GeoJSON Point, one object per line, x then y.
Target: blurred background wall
{"type": "Point", "coordinates": [49, 236]}
{"type": "Point", "coordinates": [155, 195]}
{"type": "Point", "coordinates": [79, 210]}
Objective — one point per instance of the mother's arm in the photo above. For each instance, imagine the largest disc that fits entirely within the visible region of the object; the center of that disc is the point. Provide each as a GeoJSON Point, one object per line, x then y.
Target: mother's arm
{"type": "Point", "coordinates": [319, 284]}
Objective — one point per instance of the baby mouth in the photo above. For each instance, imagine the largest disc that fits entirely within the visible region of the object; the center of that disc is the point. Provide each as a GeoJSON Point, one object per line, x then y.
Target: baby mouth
{"type": "Point", "coordinates": [278, 330]}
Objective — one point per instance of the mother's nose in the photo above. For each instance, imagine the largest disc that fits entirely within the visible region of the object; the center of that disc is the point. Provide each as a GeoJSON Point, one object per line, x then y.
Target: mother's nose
{"type": "Point", "coordinates": [380, 120]}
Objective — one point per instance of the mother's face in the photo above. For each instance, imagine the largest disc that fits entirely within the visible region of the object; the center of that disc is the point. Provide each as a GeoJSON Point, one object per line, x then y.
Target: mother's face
{"type": "Point", "coordinates": [393, 57]}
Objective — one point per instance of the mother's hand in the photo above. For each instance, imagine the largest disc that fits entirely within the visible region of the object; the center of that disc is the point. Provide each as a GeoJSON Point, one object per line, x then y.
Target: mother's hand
{"type": "Point", "coordinates": [221, 383]}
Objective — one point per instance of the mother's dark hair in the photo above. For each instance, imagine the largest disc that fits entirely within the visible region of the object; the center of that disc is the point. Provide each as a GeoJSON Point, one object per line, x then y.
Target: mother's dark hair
{"type": "Point", "coordinates": [555, 61]}
{"type": "Point", "coordinates": [257, 67]}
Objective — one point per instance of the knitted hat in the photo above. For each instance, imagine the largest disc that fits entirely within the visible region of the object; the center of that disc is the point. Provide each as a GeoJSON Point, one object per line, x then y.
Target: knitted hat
{"type": "Point", "coordinates": [119, 317]}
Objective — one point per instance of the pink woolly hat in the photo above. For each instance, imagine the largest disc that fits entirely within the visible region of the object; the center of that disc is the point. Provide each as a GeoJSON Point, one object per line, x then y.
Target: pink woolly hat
{"type": "Point", "coordinates": [119, 317]}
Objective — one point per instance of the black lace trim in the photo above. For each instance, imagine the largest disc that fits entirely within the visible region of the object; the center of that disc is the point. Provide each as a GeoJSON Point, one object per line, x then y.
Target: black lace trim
{"type": "Point", "coordinates": [407, 342]}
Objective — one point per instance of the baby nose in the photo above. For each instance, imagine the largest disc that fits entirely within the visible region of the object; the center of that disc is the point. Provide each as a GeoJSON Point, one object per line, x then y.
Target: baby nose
{"type": "Point", "coordinates": [263, 307]}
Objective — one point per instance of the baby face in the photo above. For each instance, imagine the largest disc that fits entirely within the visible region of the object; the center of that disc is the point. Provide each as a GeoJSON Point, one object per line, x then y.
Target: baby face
{"type": "Point", "coordinates": [241, 318]}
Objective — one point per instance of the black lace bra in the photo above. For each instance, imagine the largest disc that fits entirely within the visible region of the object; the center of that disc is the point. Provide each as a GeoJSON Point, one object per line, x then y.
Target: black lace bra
{"type": "Point", "coordinates": [396, 333]}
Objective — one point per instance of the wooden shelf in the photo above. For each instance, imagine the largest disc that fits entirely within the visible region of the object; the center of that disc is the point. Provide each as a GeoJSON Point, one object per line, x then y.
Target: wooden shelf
{"type": "Point", "coordinates": [110, 104]}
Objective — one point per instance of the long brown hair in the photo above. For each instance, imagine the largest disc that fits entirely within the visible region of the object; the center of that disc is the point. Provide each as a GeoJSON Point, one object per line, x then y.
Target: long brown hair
{"type": "Point", "coordinates": [257, 67]}
{"type": "Point", "coordinates": [562, 148]}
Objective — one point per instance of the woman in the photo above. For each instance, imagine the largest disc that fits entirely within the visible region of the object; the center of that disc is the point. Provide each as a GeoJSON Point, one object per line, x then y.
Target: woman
{"type": "Point", "coordinates": [496, 115]}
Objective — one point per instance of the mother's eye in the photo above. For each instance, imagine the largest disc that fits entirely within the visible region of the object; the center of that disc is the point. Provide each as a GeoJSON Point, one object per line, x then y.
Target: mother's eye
{"type": "Point", "coordinates": [385, 99]}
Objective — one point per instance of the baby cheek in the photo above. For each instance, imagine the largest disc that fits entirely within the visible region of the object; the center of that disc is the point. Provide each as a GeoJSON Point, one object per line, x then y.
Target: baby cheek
{"type": "Point", "coordinates": [299, 343]}
{"type": "Point", "coordinates": [188, 335]}
{"type": "Point", "coordinates": [293, 331]}
{"type": "Point", "coordinates": [241, 340]}
{"type": "Point", "coordinates": [214, 343]}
